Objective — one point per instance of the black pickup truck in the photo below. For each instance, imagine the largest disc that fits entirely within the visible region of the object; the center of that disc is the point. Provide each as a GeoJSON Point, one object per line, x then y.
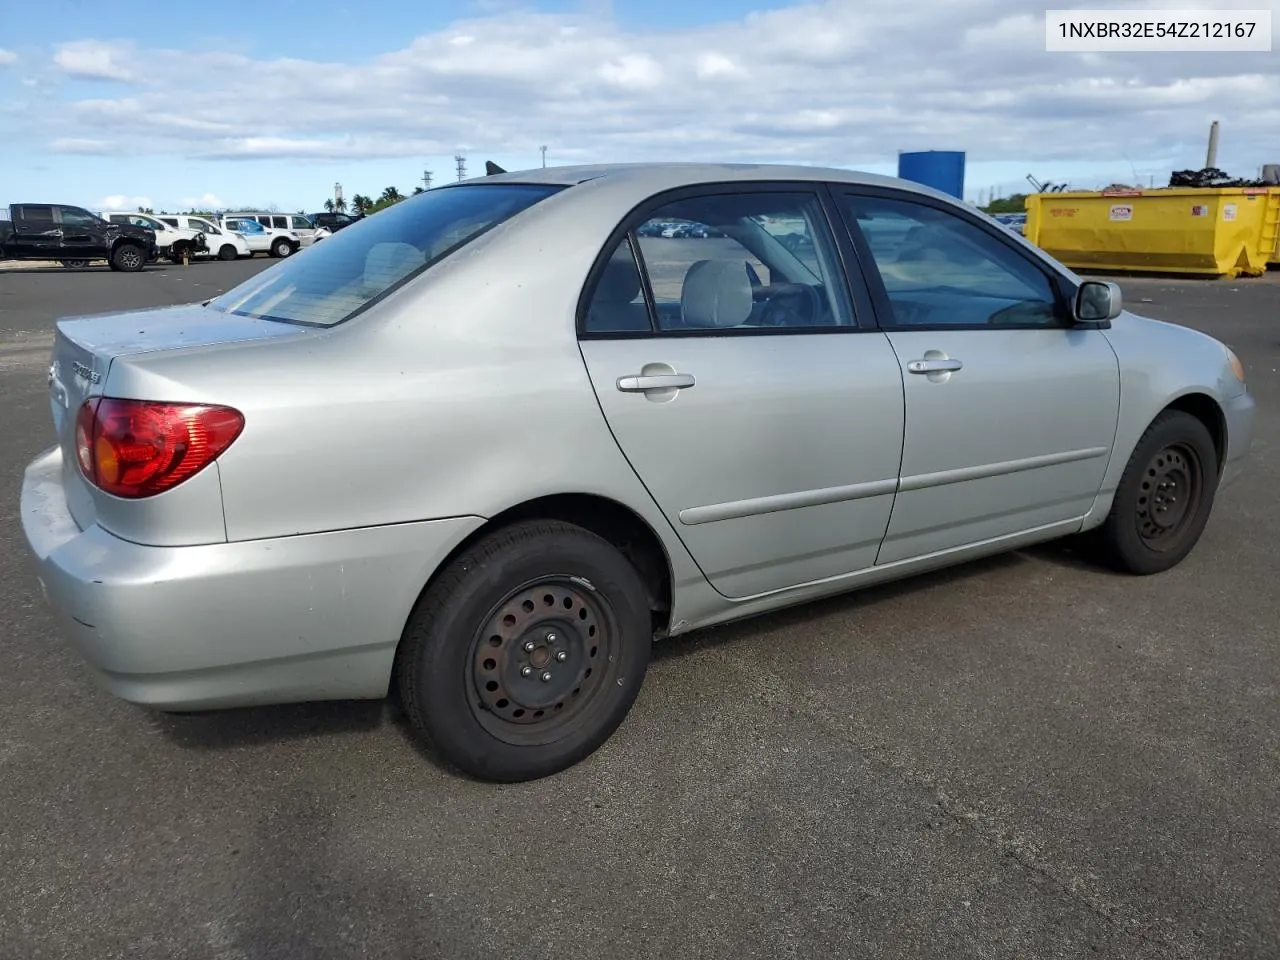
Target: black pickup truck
{"type": "Point", "coordinates": [73, 235]}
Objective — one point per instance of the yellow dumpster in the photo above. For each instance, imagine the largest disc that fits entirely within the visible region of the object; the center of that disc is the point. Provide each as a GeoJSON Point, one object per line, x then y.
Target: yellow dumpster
{"type": "Point", "coordinates": [1212, 231]}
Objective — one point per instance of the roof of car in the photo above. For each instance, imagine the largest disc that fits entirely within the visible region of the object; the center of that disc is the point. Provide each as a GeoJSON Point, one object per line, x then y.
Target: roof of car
{"type": "Point", "coordinates": [692, 173]}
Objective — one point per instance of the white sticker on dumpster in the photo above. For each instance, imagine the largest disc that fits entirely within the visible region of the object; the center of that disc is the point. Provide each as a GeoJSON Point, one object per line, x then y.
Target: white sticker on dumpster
{"type": "Point", "coordinates": [1122, 211]}
{"type": "Point", "coordinates": [1228, 211]}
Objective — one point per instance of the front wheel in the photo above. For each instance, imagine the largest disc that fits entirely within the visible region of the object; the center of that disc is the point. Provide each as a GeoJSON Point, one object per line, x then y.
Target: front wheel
{"type": "Point", "coordinates": [227, 252]}
{"type": "Point", "coordinates": [527, 652]}
{"type": "Point", "coordinates": [281, 248]}
{"type": "Point", "coordinates": [128, 257]}
{"type": "Point", "coordinates": [1164, 498]}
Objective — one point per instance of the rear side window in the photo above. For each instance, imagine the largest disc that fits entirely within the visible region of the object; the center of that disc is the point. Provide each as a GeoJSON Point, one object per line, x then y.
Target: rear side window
{"type": "Point", "coordinates": [340, 277]}
{"type": "Point", "coordinates": [33, 213]}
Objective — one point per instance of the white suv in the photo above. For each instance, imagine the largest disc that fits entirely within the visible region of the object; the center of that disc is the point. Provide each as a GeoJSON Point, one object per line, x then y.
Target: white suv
{"type": "Point", "coordinates": [172, 240]}
{"type": "Point", "coordinates": [223, 244]}
{"type": "Point", "coordinates": [272, 240]}
{"type": "Point", "coordinates": [295, 223]}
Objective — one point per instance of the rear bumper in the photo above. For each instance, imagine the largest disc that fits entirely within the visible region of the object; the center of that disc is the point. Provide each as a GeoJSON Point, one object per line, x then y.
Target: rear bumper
{"type": "Point", "coordinates": [1240, 412]}
{"type": "Point", "coordinates": [313, 617]}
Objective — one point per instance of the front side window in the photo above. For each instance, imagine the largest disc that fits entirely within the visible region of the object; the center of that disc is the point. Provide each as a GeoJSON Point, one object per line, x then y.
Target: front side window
{"type": "Point", "coordinates": [349, 271]}
{"type": "Point", "coordinates": [748, 261]}
{"type": "Point", "coordinates": [939, 269]}
{"type": "Point", "coordinates": [301, 223]}
{"type": "Point", "coordinates": [72, 217]}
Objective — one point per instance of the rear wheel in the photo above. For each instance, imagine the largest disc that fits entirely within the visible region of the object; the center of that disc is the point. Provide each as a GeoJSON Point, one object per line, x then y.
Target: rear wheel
{"type": "Point", "coordinates": [1164, 498]}
{"type": "Point", "coordinates": [128, 257]}
{"type": "Point", "coordinates": [527, 652]}
{"type": "Point", "coordinates": [74, 264]}
{"type": "Point", "coordinates": [227, 252]}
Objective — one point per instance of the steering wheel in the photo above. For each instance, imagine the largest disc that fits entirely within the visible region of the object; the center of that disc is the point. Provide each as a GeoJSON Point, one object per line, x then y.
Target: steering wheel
{"type": "Point", "coordinates": [791, 305]}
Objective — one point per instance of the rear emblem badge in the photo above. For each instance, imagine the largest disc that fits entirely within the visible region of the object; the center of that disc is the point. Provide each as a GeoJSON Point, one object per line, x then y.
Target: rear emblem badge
{"type": "Point", "coordinates": [85, 373]}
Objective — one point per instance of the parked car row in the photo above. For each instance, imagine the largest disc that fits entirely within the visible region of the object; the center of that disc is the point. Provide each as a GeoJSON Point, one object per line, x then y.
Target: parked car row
{"type": "Point", "coordinates": [1014, 221]}
{"type": "Point", "coordinates": [129, 240]}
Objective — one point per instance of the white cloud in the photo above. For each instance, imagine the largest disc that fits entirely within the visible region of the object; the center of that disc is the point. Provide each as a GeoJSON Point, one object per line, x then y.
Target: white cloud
{"type": "Point", "coordinates": [95, 60]}
{"type": "Point", "coordinates": [120, 201]}
{"type": "Point", "coordinates": [842, 82]}
{"type": "Point", "coordinates": [83, 146]}
{"type": "Point", "coordinates": [7, 58]}
{"type": "Point", "coordinates": [206, 201]}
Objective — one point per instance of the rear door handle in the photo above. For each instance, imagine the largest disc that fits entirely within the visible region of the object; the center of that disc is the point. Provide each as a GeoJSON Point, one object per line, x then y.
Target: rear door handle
{"type": "Point", "coordinates": [934, 366]}
{"type": "Point", "coordinates": [670, 381]}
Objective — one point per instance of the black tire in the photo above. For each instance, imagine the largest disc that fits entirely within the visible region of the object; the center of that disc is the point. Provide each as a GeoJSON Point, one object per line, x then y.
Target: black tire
{"type": "Point", "coordinates": [475, 691]}
{"type": "Point", "coordinates": [128, 258]}
{"type": "Point", "coordinates": [281, 248]}
{"type": "Point", "coordinates": [74, 264]}
{"type": "Point", "coordinates": [226, 252]}
{"type": "Point", "coordinates": [1164, 498]}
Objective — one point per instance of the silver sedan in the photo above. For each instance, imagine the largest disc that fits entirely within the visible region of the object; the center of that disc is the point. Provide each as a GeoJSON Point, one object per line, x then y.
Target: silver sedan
{"type": "Point", "coordinates": [482, 449]}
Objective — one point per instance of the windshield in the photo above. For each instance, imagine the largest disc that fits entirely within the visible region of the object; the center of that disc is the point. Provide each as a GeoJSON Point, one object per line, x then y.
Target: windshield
{"type": "Point", "coordinates": [335, 280]}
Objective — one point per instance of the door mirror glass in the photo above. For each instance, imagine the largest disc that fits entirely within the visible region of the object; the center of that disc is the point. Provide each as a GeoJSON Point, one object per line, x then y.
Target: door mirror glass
{"type": "Point", "coordinates": [1098, 302]}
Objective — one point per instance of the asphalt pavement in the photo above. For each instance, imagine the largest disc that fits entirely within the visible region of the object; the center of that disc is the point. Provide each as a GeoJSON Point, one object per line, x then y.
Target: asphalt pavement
{"type": "Point", "coordinates": [1024, 757]}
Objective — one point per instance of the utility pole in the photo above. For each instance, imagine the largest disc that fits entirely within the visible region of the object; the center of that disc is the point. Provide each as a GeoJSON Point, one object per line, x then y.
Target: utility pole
{"type": "Point", "coordinates": [544, 154]}
{"type": "Point", "coordinates": [426, 179]}
{"type": "Point", "coordinates": [462, 166]}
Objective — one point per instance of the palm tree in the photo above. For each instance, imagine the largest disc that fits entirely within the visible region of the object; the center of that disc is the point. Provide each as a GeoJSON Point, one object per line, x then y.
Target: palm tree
{"type": "Point", "coordinates": [328, 205]}
{"type": "Point", "coordinates": [361, 203]}
{"type": "Point", "coordinates": [340, 204]}
{"type": "Point", "coordinates": [391, 195]}
{"type": "Point", "coordinates": [418, 190]}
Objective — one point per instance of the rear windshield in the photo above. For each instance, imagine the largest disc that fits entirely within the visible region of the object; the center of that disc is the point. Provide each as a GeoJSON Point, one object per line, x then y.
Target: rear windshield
{"type": "Point", "coordinates": [341, 275]}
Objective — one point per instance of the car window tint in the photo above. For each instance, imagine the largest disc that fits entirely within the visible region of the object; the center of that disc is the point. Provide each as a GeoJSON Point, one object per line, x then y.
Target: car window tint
{"type": "Point", "coordinates": [939, 269]}
{"type": "Point", "coordinates": [171, 221]}
{"type": "Point", "coordinates": [78, 218]}
{"type": "Point", "coordinates": [750, 260]}
{"type": "Point", "coordinates": [38, 214]}
{"type": "Point", "coordinates": [618, 304]}
{"type": "Point", "coordinates": [351, 269]}
{"type": "Point", "coordinates": [301, 223]}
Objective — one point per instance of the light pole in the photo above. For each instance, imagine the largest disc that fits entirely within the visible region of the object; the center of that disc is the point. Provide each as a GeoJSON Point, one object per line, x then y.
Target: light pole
{"type": "Point", "coordinates": [544, 155]}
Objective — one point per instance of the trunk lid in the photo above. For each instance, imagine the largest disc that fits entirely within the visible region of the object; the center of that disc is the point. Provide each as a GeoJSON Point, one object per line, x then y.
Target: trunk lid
{"type": "Point", "coordinates": [85, 347]}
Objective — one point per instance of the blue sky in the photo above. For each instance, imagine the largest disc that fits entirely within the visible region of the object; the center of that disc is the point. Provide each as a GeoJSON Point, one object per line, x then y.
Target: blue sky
{"type": "Point", "coordinates": [271, 103]}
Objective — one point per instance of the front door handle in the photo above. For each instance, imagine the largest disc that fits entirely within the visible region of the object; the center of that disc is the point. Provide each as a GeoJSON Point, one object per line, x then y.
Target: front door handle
{"type": "Point", "coordinates": [669, 381]}
{"type": "Point", "coordinates": [934, 366]}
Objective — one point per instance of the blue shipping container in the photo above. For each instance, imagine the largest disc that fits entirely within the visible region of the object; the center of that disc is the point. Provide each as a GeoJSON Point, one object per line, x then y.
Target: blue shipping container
{"type": "Point", "coordinates": [941, 169]}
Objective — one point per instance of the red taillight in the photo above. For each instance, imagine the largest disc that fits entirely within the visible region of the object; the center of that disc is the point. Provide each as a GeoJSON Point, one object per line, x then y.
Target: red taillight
{"type": "Point", "coordinates": [137, 448]}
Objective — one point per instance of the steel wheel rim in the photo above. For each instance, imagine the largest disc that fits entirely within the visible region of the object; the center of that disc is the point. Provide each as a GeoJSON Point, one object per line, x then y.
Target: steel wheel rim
{"type": "Point", "coordinates": [1169, 496]}
{"type": "Point", "coordinates": [554, 628]}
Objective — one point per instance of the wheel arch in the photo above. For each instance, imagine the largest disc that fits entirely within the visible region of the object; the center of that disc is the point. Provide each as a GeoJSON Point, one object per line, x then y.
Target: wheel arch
{"type": "Point", "coordinates": [608, 519]}
{"type": "Point", "coordinates": [1209, 412]}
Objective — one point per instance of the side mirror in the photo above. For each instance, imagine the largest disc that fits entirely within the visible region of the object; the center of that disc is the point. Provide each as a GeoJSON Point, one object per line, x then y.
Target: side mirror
{"type": "Point", "coordinates": [1097, 301]}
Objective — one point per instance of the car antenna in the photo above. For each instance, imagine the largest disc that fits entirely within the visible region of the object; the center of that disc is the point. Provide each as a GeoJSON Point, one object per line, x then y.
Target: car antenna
{"type": "Point", "coordinates": [491, 169]}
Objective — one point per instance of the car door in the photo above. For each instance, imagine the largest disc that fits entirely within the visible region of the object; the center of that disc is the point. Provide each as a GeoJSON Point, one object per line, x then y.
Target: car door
{"type": "Point", "coordinates": [763, 419]}
{"type": "Point", "coordinates": [35, 232]}
{"type": "Point", "coordinates": [1011, 409]}
{"type": "Point", "coordinates": [304, 228]}
{"type": "Point", "coordinates": [83, 234]}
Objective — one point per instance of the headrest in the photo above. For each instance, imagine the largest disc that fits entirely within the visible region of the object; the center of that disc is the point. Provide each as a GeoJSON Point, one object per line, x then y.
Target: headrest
{"type": "Point", "coordinates": [620, 281]}
{"type": "Point", "coordinates": [716, 293]}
